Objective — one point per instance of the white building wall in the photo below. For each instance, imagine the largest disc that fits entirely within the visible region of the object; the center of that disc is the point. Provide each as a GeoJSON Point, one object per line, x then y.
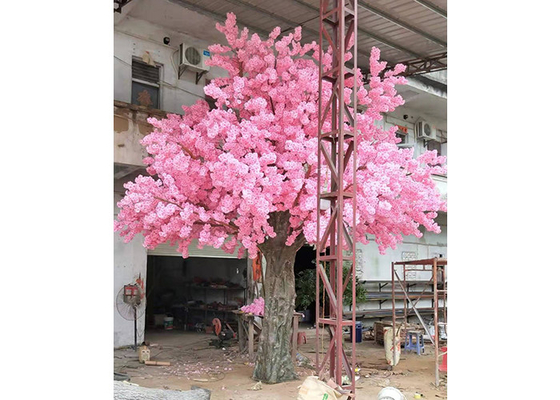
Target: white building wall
{"type": "Point", "coordinates": [130, 260]}
{"type": "Point", "coordinates": [133, 37]}
{"type": "Point", "coordinates": [413, 116]}
{"type": "Point", "coordinates": [376, 266]}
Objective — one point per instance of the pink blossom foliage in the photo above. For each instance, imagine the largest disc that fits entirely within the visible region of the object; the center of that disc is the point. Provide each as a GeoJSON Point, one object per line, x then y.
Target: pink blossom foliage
{"type": "Point", "coordinates": [217, 175]}
{"type": "Point", "coordinates": [255, 308]}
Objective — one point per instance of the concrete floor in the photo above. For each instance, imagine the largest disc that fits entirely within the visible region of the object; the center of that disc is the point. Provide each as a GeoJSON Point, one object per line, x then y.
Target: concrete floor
{"type": "Point", "coordinates": [227, 373]}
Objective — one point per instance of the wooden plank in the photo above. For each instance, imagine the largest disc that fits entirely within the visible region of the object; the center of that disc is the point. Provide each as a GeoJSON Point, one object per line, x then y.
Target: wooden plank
{"type": "Point", "coordinates": [158, 363]}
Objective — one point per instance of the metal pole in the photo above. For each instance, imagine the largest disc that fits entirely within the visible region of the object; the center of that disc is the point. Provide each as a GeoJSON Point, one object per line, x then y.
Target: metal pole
{"type": "Point", "coordinates": [394, 313]}
{"type": "Point", "coordinates": [135, 331]}
{"type": "Point", "coordinates": [414, 308]}
{"type": "Point", "coordinates": [436, 325]}
{"type": "Point", "coordinates": [354, 196]}
{"type": "Point", "coordinates": [444, 297]}
{"type": "Point", "coordinates": [318, 247]}
{"type": "Point", "coordinates": [337, 24]}
{"type": "Point", "coordinates": [405, 301]}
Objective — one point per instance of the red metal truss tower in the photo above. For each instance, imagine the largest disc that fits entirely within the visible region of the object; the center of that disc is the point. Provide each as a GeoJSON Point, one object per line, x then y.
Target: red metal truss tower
{"type": "Point", "coordinates": [337, 146]}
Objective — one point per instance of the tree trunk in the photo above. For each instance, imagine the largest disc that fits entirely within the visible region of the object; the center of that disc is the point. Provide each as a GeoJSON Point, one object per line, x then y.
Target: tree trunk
{"type": "Point", "coordinates": [274, 357]}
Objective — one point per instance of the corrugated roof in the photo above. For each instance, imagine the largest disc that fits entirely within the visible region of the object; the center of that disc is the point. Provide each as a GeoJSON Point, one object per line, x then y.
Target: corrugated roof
{"type": "Point", "coordinates": [403, 30]}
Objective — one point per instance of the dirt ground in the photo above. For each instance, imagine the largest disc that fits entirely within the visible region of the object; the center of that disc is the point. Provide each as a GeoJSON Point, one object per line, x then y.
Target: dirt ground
{"type": "Point", "coordinates": [227, 373]}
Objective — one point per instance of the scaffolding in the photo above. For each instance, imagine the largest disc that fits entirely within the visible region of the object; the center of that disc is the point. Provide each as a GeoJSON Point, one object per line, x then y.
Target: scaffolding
{"type": "Point", "coordinates": [437, 282]}
{"type": "Point", "coordinates": [337, 148]}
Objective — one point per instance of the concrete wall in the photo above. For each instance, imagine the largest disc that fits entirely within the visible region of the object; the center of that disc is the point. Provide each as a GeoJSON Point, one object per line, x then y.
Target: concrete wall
{"type": "Point", "coordinates": [133, 37]}
{"type": "Point", "coordinates": [413, 116]}
{"type": "Point", "coordinates": [377, 267]}
{"type": "Point", "coordinates": [130, 127]}
{"type": "Point", "coordinates": [129, 261]}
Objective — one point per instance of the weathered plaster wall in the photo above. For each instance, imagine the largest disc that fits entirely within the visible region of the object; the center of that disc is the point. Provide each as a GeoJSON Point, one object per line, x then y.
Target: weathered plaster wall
{"type": "Point", "coordinates": [130, 127]}
{"type": "Point", "coordinates": [133, 37]}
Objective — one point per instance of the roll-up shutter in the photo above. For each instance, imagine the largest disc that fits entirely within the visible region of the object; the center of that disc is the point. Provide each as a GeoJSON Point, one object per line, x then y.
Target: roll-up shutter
{"type": "Point", "coordinates": [207, 251]}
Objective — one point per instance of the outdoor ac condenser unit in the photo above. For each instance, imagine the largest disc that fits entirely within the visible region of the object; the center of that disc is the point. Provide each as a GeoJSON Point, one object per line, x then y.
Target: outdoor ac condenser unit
{"type": "Point", "coordinates": [425, 131]}
{"type": "Point", "coordinates": [193, 58]}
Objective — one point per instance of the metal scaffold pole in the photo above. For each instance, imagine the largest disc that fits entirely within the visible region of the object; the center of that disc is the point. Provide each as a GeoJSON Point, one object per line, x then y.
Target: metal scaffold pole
{"type": "Point", "coordinates": [437, 267]}
{"type": "Point", "coordinates": [337, 148]}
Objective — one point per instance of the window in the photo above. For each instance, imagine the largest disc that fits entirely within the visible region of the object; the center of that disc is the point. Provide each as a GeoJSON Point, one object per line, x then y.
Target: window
{"type": "Point", "coordinates": [402, 133]}
{"type": "Point", "coordinates": [145, 84]}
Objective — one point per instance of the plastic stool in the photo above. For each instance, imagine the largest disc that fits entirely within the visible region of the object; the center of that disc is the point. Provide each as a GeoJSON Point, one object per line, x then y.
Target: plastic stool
{"type": "Point", "coordinates": [418, 346]}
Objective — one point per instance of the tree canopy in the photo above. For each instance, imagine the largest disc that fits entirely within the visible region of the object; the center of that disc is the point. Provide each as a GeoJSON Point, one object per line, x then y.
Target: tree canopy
{"type": "Point", "coordinates": [217, 175]}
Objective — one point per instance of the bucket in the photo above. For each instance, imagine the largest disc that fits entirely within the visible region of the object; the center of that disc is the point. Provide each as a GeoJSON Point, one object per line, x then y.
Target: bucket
{"type": "Point", "coordinates": [359, 328]}
{"type": "Point", "coordinates": [168, 323]}
{"type": "Point", "coordinates": [390, 393]}
{"type": "Point", "coordinates": [388, 340]}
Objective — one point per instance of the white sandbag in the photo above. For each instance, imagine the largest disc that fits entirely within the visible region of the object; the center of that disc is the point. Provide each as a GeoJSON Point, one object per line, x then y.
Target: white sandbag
{"type": "Point", "coordinates": [388, 340]}
{"type": "Point", "coordinates": [313, 389]}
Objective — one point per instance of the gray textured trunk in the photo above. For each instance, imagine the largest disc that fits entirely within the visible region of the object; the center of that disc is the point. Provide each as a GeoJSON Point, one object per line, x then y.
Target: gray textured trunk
{"type": "Point", "coordinates": [274, 357]}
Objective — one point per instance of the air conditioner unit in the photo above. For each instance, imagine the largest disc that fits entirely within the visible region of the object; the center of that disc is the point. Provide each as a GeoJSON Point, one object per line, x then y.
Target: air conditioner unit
{"type": "Point", "coordinates": [425, 131]}
{"type": "Point", "coordinates": [193, 58]}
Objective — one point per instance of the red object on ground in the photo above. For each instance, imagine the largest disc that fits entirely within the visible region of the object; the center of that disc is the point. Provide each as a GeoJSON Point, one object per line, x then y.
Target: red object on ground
{"type": "Point", "coordinates": [301, 338]}
{"type": "Point", "coordinates": [217, 326]}
{"type": "Point", "coordinates": [443, 365]}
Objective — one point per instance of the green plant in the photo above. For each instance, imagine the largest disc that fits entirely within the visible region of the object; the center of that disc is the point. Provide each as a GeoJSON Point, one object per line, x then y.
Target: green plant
{"type": "Point", "coordinates": [305, 288]}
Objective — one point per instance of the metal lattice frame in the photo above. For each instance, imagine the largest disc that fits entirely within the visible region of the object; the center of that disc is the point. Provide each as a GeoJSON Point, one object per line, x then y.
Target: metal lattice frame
{"type": "Point", "coordinates": [338, 23]}
{"type": "Point", "coordinates": [425, 65]}
{"type": "Point", "coordinates": [437, 266]}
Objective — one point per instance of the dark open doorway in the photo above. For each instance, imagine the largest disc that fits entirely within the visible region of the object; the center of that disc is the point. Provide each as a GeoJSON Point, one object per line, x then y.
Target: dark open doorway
{"type": "Point", "coordinates": [304, 270]}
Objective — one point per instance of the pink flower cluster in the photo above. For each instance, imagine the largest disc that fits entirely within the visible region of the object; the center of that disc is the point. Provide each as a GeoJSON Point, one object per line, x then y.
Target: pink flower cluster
{"type": "Point", "coordinates": [255, 308]}
{"type": "Point", "coordinates": [217, 175]}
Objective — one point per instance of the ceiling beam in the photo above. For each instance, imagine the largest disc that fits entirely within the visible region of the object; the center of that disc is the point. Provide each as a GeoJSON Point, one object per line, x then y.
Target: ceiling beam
{"type": "Point", "coordinates": [400, 23]}
{"type": "Point", "coordinates": [215, 15]}
{"type": "Point", "coordinates": [119, 4]}
{"type": "Point", "coordinates": [369, 34]}
{"type": "Point", "coordinates": [433, 7]}
{"type": "Point", "coordinates": [425, 65]}
{"type": "Point", "coordinates": [280, 18]}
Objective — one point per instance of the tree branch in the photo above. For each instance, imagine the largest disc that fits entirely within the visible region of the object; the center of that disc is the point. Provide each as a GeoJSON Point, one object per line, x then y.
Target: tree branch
{"type": "Point", "coordinates": [272, 105]}
{"type": "Point", "coordinates": [211, 221]}
{"type": "Point", "coordinates": [190, 153]}
{"type": "Point", "coordinates": [168, 201]}
{"type": "Point", "coordinates": [307, 173]}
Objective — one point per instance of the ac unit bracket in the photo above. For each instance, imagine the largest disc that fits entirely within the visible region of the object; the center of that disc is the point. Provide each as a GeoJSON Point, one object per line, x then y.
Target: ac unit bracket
{"type": "Point", "coordinates": [199, 75]}
{"type": "Point", "coordinates": [181, 70]}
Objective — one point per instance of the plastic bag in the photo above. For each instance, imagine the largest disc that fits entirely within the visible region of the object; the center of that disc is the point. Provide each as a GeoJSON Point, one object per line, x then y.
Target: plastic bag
{"type": "Point", "coordinates": [314, 389]}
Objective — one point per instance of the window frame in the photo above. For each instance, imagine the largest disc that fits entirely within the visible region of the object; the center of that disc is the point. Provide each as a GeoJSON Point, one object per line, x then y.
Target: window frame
{"type": "Point", "coordinates": [158, 85]}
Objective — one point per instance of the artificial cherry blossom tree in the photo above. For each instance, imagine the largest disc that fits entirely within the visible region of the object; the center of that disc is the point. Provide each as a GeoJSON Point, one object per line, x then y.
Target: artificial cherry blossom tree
{"type": "Point", "coordinates": [244, 175]}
